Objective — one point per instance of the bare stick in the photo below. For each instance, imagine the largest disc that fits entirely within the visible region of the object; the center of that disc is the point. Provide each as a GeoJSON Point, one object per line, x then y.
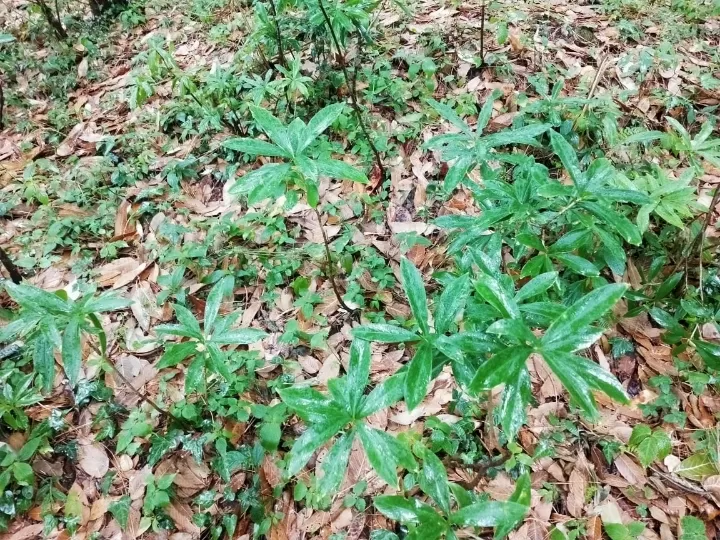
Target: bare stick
{"type": "Point", "coordinates": [15, 275]}
{"type": "Point", "coordinates": [281, 51]}
{"type": "Point", "coordinates": [351, 87]}
{"type": "Point", "coordinates": [482, 34]}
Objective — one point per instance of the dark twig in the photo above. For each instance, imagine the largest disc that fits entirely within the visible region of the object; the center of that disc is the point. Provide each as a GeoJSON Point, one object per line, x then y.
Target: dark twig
{"type": "Point", "coordinates": [480, 469]}
{"type": "Point", "coordinates": [482, 34]}
{"type": "Point", "coordinates": [55, 23]}
{"type": "Point", "coordinates": [331, 268]}
{"type": "Point", "coordinates": [281, 50]}
{"type": "Point", "coordinates": [15, 275]}
{"type": "Point", "coordinates": [2, 106]}
{"type": "Point", "coordinates": [351, 87]}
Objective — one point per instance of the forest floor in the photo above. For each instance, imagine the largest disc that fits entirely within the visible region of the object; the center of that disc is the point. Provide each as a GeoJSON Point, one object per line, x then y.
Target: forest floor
{"type": "Point", "coordinates": [111, 177]}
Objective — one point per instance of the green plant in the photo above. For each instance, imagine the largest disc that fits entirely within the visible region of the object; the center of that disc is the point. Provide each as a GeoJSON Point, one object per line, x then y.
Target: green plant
{"type": "Point", "coordinates": [204, 345]}
{"type": "Point", "coordinates": [470, 148]}
{"type": "Point", "coordinates": [51, 321]}
{"type": "Point", "coordinates": [292, 143]}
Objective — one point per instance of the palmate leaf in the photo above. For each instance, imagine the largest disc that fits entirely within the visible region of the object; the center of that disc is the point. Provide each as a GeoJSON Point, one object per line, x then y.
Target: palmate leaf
{"type": "Point", "coordinates": [334, 168]}
{"type": "Point", "coordinates": [272, 172]}
{"type": "Point", "coordinates": [322, 120]}
{"type": "Point", "coordinates": [385, 453]}
{"type": "Point", "coordinates": [317, 434]}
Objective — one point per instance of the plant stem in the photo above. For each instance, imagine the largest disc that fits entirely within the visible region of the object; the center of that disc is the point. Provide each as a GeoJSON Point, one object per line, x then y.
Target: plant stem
{"type": "Point", "coordinates": [700, 236]}
{"type": "Point", "coordinates": [482, 34]}
{"type": "Point", "coordinates": [351, 87]}
{"type": "Point", "coordinates": [281, 51]}
{"type": "Point", "coordinates": [54, 23]}
{"type": "Point", "coordinates": [2, 106]}
{"type": "Point", "coordinates": [15, 275]}
{"type": "Point", "coordinates": [331, 268]}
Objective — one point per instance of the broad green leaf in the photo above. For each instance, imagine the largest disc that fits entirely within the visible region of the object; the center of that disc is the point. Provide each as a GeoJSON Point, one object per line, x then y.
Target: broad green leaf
{"type": "Point", "coordinates": [418, 376]}
{"type": "Point", "coordinates": [433, 480]}
{"type": "Point", "coordinates": [273, 127]}
{"type": "Point", "coordinates": [521, 495]}
{"type": "Point", "coordinates": [570, 241]}
{"type": "Point", "coordinates": [414, 286]}
{"type": "Point", "coordinates": [176, 353]}
{"type": "Point", "coordinates": [384, 333]}
{"type": "Point", "coordinates": [579, 265]}
{"type": "Point", "coordinates": [489, 514]}
{"type": "Point", "coordinates": [668, 286]}
{"type": "Point", "coordinates": [72, 351]}
{"type": "Point", "coordinates": [709, 352]}
{"type": "Point", "coordinates": [6, 38]}
{"type": "Point", "coordinates": [502, 368]}
{"type": "Point", "coordinates": [387, 393]}
{"type": "Point", "coordinates": [649, 445]}
{"type": "Point", "coordinates": [620, 223]}
{"type": "Point", "coordinates": [358, 373]}
{"type": "Point", "coordinates": [239, 336]}
{"type": "Point", "coordinates": [31, 298]}
{"type": "Point", "coordinates": [195, 376]}
{"type": "Point", "coordinates": [404, 510]}
{"type": "Point", "coordinates": [314, 437]}
{"type": "Point", "coordinates": [457, 173]}
{"type": "Point", "coordinates": [613, 251]}
{"type": "Point", "coordinates": [486, 111]}
{"type": "Point", "coordinates": [515, 329]}
{"type": "Point", "coordinates": [574, 321]}
{"type": "Point", "coordinates": [335, 168]}
{"type": "Point", "coordinates": [120, 510]}
{"type": "Point", "coordinates": [449, 114]}
{"type": "Point", "coordinates": [106, 302]}
{"type": "Point", "coordinates": [267, 174]}
{"type": "Point", "coordinates": [692, 528]}
{"type": "Point", "coordinates": [451, 303]}
{"type": "Point", "coordinates": [697, 467]}
{"type": "Point", "coordinates": [44, 360]}
{"type": "Point", "coordinates": [536, 286]}
{"type": "Point", "coordinates": [515, 398]}
{"type": "Point", "coordinates": [568, 157]}
{"type": "Point", "coordinates": [384, 452]}
{"type": "Point", "coordinates": [580, 377]}
{"type": "Point", "coordinates": [308, 403]}
{"type": "Point", "coordinates": [214, 299]}
{"type": "Point", "coordinates": [255, 147]}
{"type": "Point", "coordinates": [643, 137]}
{"type": "Point", "coordinates": [217, 361]}
{"type": "Point", "coordinates": [495, 294]}
{"type": "Point", "coordinates": [187, 319]}
{"type": "Point", "coordinates": [322, 120]}
{"type": "Point", "coordinates": [524, 135]}
{"type": "Point", "coordinates": [335, 464]}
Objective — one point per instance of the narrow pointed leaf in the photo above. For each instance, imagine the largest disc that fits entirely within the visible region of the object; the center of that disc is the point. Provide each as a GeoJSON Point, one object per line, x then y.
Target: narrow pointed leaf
{"type": "Point", "coordinates": [255, 147]}
{"type": "Point", "coordinates": [451, 303]}
{"type": "Point", "coordinates": [214, 299]}
{"type": "Point", "coordinates": [415, 290]}
{"type": "Point", "coordinates": [387, 393]}
{"type": "Point", "coordinates": [384, 333]}
{"type": "Point", "coordinates": [384, 452]}
{"type": "Point", "coordinates": [322, 120]}
{"type": "Point", "coordinates": [418, 376]}
{"type": "Point", "coordinates": [335, 464]}
{"type": "Point", "coordinates": [72, 351]}
{"type": "Point", "coordinates": [358, 373]}
{"type": "Point", "coordinates": [314, 437]}
{"type": "Point", "coordinates": [433, 480]}
{"type": "Point", "coordinates": [568, 157]}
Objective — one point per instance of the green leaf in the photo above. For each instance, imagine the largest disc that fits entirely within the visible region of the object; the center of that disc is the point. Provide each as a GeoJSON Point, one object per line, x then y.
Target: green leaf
{"type": "Point", "coordinates": [358, 374]}
{"type": "Point", "coordinates": [404, 510]}
{"type": "Point", "coordinates": [449, 114]}
{"type": "Point", "coordinates": [579, 265]}
{"type": "Point", "coordinates": [697, 467]}
{"type": "Point", "coordinates": [72, 351]}
{"type": "Point", "coordinates": [187, 320]}
{"type": "Point", "coordinates": [649, 445]}
{"type": "Point", "coordinates": [23, 473]}
{"type": "Point", "coordinates": [709, 352]}
{"type": "Point", "coordinates": [335, 464]}
{"type": "Point", "coordinates": [457, 173]}
{"type": "Point", "coordinates": [308, 403]}
{"type": "Point", "coordinates": [334, 168]}
{"type": "Point", "coordinates": [31, 298]}
{"type": "Point", "coordinates": [536, 286]}
{"type": "Point", "coordinates": [176, 353]}
{"type": "Point", "coordinates": [568, 157]}
{"type": "Point", "coordinates": [255, 147]}
{"type": "Point", "coordinates": [495, 294]}
{"type": "Point", "coordinates": [322, 120]}
{"type": "Point", "coordinates": [620, 223]}
{"type": "Point", "coordinates": [565, 331]}
{"type": "Point", "coordinates": [433, 480]}
{"type": "Point", "coordinates": [269, 434]}
{"type": "Point", "coordinates": [692, 529]}
{"type": "Point", "coordinates": [239, 336]}
{"type": "Point", "coordinates": [502, 368]}
{"type": "Point", "coordinates": [214, 299]}
{"type": "Point", "coordinates": [314, 437]}
{"type": "Point", "coordinates": [384, 333]}
{"type": "Point", "coordinates": [267, 174]}
{"type": "Point", "coordinates": [515, 398]}
{"type": "Point", "coordinates": [486, 111]}
{"type": "Point", "coordinates": [273, 127]}
{"type": "Point", "coordinates": [570, 241]}
{"type": "Point", "coordinates": [451, 303]}
{"type": "Point", "coordinates": [524, 135]}
{"type": "Point", "coordinates": [44, 359]}
{"type": "Point", "coordinates": [387, 393]}
{"type": "Point", "coordinates": [418, 377]}
{"type": "Point", "coordinates": [489, 514]}
{"type": "Point", "coordinates": [195, 376]}
{"type": "Point", "coordinates": [580, 377]}
{"type": "Point", "coordinates": [385, 453]}
{"type": "Point", "coordinates": [6, 38]}
{"type": "Point", "coordinates": [120, 510]}
{"type": "Point", "coordinates": [668, 286]}
{"type": "Point", "coordinates": [415, 290]}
